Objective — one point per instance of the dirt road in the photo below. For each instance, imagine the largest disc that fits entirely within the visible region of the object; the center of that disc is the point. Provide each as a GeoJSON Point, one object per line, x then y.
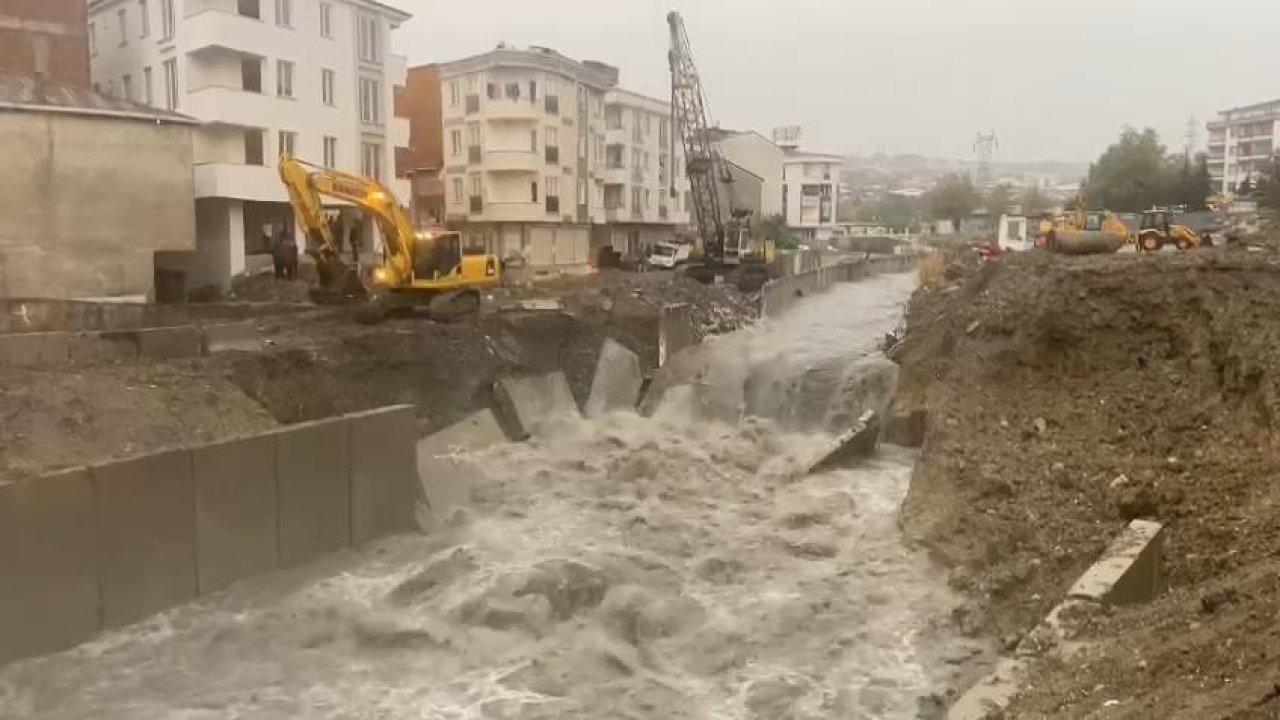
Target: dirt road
{"type": "Point", "coordinates": [1066, 396]}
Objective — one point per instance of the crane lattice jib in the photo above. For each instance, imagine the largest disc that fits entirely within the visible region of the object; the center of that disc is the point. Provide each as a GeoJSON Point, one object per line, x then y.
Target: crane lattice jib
{"type": "Point", "coordinates": [703, 162]}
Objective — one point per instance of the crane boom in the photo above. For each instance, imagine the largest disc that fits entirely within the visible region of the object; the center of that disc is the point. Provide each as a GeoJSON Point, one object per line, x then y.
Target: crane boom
{"type": "Point", "coordinates": [704, 164]}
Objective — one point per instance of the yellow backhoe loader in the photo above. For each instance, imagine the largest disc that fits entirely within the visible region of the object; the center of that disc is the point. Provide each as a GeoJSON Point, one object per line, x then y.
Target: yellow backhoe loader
{"type": "Point", "coordinates": [1158, 229]}
{"type": "Point", "coordinates": [419, 267]}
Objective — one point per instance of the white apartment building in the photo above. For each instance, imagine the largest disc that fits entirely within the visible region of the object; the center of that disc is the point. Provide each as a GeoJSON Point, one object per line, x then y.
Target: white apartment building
{"type": "Point", "coordinates": [310, 77]}
{"type": "Point", "coordinates": [646, 191]}
{"type": "Point", "coordinates": [1241, 143]}
{"type": "Point", "coordinates": [809, 196]}
{"type": "Point", "coordinates": [524, 153]}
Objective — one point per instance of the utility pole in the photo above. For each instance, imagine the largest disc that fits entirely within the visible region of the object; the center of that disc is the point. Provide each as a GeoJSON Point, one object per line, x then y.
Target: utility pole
{"type": "Point", "coordinates": [1190, 138]}
{"type": "Point", "coordinates": [985, 147]}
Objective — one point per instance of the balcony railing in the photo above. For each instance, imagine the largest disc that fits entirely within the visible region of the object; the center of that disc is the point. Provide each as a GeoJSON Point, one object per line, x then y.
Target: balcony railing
{"type": "Point", "coordinates": [473, 154]}
{"type": "Point", "coordinates": [477, 204]}
{"type": "Point", "coordinates": [473, 104]}
{"type": "Point", "coordinates": [553, 155]}
{"type": "Point", "coordinates": [552, 104]}
{"type": "Point", "coordinates": [553, 203]}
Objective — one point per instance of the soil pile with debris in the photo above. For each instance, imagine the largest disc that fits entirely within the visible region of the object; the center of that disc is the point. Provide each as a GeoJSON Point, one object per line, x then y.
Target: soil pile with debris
{"type": "Point", "coordinates": [1066, 396]}
{"type": "Point", "coordinates": [265, 287]}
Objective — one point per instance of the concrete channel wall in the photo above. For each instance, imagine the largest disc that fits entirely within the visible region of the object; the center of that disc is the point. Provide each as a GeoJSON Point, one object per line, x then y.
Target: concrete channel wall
{"type": "Point", "coordinates": [92, 548]}
{"type": "Point", "coordinates": [778, 295]}
{"type": "Point", "coordinates": [58, 348]}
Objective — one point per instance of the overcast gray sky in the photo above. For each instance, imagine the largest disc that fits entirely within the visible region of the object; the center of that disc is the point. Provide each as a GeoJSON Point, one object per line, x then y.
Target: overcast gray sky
{"type": "Point", "coordinates": [1056, 79]}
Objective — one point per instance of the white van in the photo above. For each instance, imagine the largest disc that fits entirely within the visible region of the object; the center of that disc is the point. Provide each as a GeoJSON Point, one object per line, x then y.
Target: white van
{"type": "Point", "coordinates": [669, 255]}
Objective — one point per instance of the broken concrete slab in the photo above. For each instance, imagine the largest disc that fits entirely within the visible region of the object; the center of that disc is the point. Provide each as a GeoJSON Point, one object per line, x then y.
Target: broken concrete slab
{"type": "Point", "coordinates": [616, 385]}
{"type": "Point", "coordinates": [446, 475]}
{"type": "Point", "coordinates": [48, 564]}
{"type": "Point", "coordinates": [313, 472]}
{"type": "Point", "coordinates": [528, 405]}
{"type": "Point", "coordinates": [853, 444]}
{"type": "Point", "coordinates": [236, 336]}
{"type": "Point", "coordinates": [385, 491]}
{"type": "Point", "coordinates": [237, 532]}
{"type": "Point", "coordinates": [676, 330]}
{"type": "Point", "coordinates": [1130, 571]}
{"type": "Point", "coordinates": [167, 343]}
{"type": "Point", "coordinates": [146, 534]}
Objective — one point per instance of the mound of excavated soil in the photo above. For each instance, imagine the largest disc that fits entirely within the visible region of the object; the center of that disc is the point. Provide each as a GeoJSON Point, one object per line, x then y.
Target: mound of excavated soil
{"type": "Point", "coordinates": [1066, 396]}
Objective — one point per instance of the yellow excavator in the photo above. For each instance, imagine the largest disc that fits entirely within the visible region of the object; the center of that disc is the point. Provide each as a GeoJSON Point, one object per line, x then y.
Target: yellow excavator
{"type": "Point", "coordinates": [419, 267]}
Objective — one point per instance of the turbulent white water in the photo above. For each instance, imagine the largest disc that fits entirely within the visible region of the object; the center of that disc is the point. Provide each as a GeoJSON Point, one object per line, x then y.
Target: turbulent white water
{"type": "Point", "coordinates": [665, 567]}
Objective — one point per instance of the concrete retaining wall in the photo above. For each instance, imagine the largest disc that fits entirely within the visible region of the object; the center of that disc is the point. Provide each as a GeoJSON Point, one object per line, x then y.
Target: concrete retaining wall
{"type": "Point", "coordinates": [92, 548]}
{"type": "Point", "coordinates": [57, 348]}
{"type": "Point", "coordinates": [676, 330]}
{"type": "Point", "coordinates": [780, 294]}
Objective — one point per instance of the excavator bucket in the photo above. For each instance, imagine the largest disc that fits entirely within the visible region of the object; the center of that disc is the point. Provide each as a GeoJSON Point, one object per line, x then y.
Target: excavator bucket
{"type": "Point", "coordinates": [338, 283]}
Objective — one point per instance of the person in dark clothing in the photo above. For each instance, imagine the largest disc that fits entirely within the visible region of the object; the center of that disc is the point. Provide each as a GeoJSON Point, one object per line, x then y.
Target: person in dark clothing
{"type": "Point", "coordinates": [277, 258]}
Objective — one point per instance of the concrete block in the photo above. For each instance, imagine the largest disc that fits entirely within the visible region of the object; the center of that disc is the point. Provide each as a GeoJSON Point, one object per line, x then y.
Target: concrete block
{"type": "Point", "coordinates": [988, 697]}
{"type": "Point", "coordinates": [676, 330]}
{"type": "Point", "coordinates": [313, 474]}
{"type": "Point", "coordinates": [1131, 571]}
{"type": "Point", "coordinates": [38, 349]}
{"type": "Point", "coordinates": [385, 490]}
{"type": "Point", "coordinates": [168, 343]}
{"type": "Point", "coordinates": [446, 476]}
{"type": "Point", "coordinates": [89, 348]}
{"type": "Point", "coordinates": [531, 405]}
{"type": "Point", "coordinates": [146, 534]}
{"type": "Point", "coordinates": [239, 336]}
{"type": "Point", "coordinates": [616, 385]}
{"type": "Point", "coordinates": [48, 564]}
{"type": "Point", "coordinates": [854, 444]}
{"type": "Point", "coordinates": [237, 532]}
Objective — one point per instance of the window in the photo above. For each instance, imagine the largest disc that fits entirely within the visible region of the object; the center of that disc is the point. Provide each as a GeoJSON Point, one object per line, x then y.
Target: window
{"type": "Point", "coordinates": [477, 185]}
{"type": "Point", "coordinates": [453, 94]}
{"type": "Point", "coordinates": [123, 18]}
{"type": "Point", "coordinates": [128, 87]}
{"type": "Point", "coordinates": [552, 137]}
{"type": "Point", "coordinates": [533, 141]}
{"type": "Point", "coordinates": [284, 78]}
{"type": "Point", "coordinates": [166, 19]}
{"type": "Point", "coordinates": [284, 13]}
{"type": "Point", "coordinates": [455, 143]}
{"type": "Point", "coordinates": [288, 141]}
{"type": "Point", "coordinates": [93, 39]}
{"type": "Point", "coordinates": [251, 74]}
{"type": "Point", "coordinates": [582, 191]}
{"type": "Point", "coordinates": [533, 191]}
{"type": "Point", "coordinates": [326, 20]}
{"type": "Point", "coordinates": [249, 8]}
{"type": "Point", "coordinates": [533, 91]}
{"type": "Point", "coordinates": [327, 81]}
{"type": "Point", "coordinates": [491, 91]}
{"type": "Point", "coordinates": [370, 101]}
{"type": "Point", "coordinates": [253, 147]}
{"type": "Point", "coordinates": [144, 19]}
{"type": "Point", "coordinates": [147, 87]}
{"type": "Point", "coordinates": [512, 91]}
{"type": "Point", "coordinates": [457, 191]}
{"type": "Point", "coordinates": [371, 160]}
{"type": "Point", "coordinates": [370, 39]}
{"type": "Point", "coordinates": [330, 152]}
{"type": "Point", "coordinates": [171, 84]}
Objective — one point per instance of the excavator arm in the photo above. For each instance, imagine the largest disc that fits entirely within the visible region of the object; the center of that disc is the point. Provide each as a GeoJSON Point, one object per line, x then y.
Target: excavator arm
{"type": "Point", "coordinates": [307, 183]}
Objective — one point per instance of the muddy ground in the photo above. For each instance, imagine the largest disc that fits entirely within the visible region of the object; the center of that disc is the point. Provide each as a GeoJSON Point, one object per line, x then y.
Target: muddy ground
{"type": "Point", "coordinates": [1066, 396]}
{"type": "Point", "coordinates": [320, 362]}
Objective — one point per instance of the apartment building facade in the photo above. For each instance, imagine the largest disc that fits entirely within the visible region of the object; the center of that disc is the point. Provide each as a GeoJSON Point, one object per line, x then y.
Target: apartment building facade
{"type": "Point", "coordinates": [48, 39]}
{"type": "Point", "coordinates": [646, 191]}
{"type": "Point", "coordinates": [312, 78]}
{"type": "Point", "coordinates": [809, 182]}
{"type": "Point", "coordinates": [524, 139]}
{"type": "Point", "coordinates": [1242, 141]}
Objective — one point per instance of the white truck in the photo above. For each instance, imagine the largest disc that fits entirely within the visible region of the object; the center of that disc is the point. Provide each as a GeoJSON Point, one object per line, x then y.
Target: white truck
{"type": "Point", "coordinates": [669, 255]}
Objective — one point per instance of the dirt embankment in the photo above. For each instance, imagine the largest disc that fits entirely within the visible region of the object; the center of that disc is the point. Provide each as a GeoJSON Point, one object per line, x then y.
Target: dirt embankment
{"type": "Point", "coordinates": [320, 363]}
{"type": "Point", "coordinates": [1066, 396]}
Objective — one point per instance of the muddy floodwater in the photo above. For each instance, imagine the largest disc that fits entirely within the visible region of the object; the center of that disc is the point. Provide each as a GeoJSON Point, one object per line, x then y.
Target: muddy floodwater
{"type": "Point", "coordinates": [676, 566]}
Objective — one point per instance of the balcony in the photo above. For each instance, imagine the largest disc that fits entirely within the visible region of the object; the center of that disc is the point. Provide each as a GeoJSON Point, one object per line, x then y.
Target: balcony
{"type": "Point", "coordinates": [663, 213]}
{"type": "Point", "coordinates": [551, 104]}
{"type": "Point", "coordinates": [511, 161]}
{"type": "Point", "coordinates": [616, 213]}
{"type": "Point", "coordinates": [477, 204]}
{"type": "Point", "coordinates": [616, 136]}
{"type": "Point", "coordinates": [615, 175]}
{"type": "Point", "coordinates": [508, 109]}
{"type": "Point", "coordinates": [218, 30]}
{"type": "Point", "coordinates": [238, 181]}
{"type": "Point", "coordinates": [552, 155]}
{"type": "Point", "coordinates": [553, 203]}
{"type": "Point", "coordinates": [473, 104]}
{"type": "Point", "coordinates": [474, 155]}
{"type": "Point", "coordinates": [230, 106]}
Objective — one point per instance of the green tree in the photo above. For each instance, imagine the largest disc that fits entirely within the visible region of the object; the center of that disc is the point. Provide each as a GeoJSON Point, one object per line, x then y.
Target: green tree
{"type": "Point", "coordinates": [1033, 202]}
{"type": "Point", "coordinates": [896, 211]}
{"type": "Point", "coordinates": [773, 229]}
{"type": "Point", "coordinates": [952, 198]}
{"type": "Point", "coordinates": [1189, 182]}
{"type": "Point", "coordinates": [999, 200]}
{"type": "Point", "coordinates": [1130, 175]}
{"type": "Point", "coordinates": [1267, 191]}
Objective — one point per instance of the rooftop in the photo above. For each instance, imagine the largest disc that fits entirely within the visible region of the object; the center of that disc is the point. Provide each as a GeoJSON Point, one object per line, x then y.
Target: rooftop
{"type": "Point", "coordinates": [591, 72]}
{"type": "Point", "coordinates": [29, 93]}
